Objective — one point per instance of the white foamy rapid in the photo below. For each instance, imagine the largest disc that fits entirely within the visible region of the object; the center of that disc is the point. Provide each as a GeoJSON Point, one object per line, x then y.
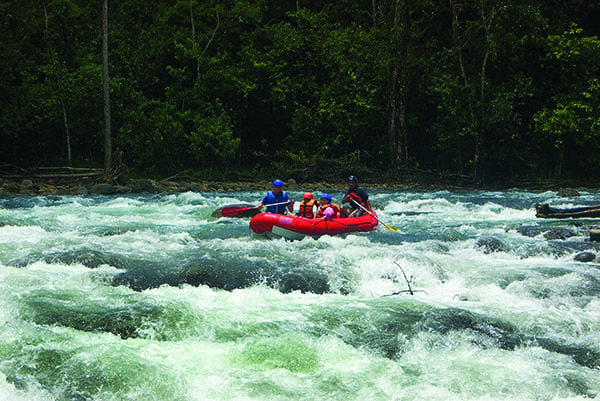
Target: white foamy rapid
{"type": "Point", "coordinates": [148, 297]}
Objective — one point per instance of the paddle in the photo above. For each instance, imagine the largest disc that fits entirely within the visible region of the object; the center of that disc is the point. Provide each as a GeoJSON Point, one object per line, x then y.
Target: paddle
{"type": "Point", "coordinates": [240, 210]}
{"type": "Point", "coordinates": [237, 210]}
{"type": "Point", "coordinates": [375, 217]}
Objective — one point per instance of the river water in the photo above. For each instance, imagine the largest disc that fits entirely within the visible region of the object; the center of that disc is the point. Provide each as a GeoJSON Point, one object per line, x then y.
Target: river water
{"type": "Point", "coordinates": [147, 297]}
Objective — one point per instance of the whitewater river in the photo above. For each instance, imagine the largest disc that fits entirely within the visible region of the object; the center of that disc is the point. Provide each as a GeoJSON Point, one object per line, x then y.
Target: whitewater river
{"type": "Point", "coordinates": [147, 297]}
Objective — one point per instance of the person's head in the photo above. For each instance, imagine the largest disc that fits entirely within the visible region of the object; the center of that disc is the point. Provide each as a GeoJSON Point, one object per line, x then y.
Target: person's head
{"type": "Point", "coordinates": [352, 182]}
{"type": "Point", "coordinates": [307, 196]}
{"type": "Point", "coordinates": [325, 199]}
{"type": "Point", "coordinates": [277, 186]}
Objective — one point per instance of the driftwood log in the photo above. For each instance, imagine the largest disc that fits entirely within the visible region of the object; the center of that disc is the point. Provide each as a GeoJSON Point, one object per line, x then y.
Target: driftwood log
{"type": "Point", "coordinates": [546, 212]}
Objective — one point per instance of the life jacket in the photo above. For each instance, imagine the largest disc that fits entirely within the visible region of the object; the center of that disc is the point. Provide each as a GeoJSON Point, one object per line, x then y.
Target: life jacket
{"type": "Point", "coordinates": [306, 209]}
{"type": "Point", "coordinates": [336, 210]}
{"type": "Point", "coordinates": [272, 198]}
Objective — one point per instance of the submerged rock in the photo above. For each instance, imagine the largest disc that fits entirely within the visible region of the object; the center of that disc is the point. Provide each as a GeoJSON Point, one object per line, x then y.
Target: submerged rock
{"type": "Point", "coordinates": [103, 189]}
{"type": "Point", "coordinates": [142, 186]}
{"type": "Point", "coordinates": [491, 245]}
{"type": "Point", "coordinates": [530, 231]}
{"type": "Point", "coordinates": [568, 193]}
{"type": "Point", "coordinates": [27, 184]}
{"type": "Point", "coordinates": [558, 233]}
{"type": "Point", "coordinates": [586, 256]}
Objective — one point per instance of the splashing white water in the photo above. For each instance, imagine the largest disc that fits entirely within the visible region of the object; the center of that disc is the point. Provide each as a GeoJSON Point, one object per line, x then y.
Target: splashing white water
{"type": "Point", "coordinates": [148, 297]}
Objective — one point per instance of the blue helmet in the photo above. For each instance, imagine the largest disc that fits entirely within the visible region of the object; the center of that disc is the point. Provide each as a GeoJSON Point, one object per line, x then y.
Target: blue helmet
{"type": "Point", "coordinates": [352, 178]}
{"type": "Point", "coordinates": [326, 196]}
{"type": "Point", "coordinates": [277, 183]}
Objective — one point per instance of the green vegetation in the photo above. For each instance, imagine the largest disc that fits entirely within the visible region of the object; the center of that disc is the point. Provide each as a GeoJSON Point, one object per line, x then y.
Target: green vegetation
{"type": "Point", "coordinates": [489, 89]}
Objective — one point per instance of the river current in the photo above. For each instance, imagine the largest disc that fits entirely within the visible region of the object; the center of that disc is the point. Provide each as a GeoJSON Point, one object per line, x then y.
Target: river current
{"type": "Point", "coordinates": [148, 297]}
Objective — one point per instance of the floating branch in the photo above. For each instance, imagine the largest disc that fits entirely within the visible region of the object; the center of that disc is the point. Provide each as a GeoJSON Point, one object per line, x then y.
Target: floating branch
{"type": "Point", "coordinates": [410, 290]}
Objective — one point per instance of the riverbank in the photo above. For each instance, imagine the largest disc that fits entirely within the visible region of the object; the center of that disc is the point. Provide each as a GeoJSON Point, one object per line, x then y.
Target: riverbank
{"type": "Point", "coordinates": [65, 186]}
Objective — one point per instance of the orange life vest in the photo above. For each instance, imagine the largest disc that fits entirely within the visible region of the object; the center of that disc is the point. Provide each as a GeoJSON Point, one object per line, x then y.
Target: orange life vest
{"type": "Point", "coordinates": [336, 210]}
{"type": "Point", "coordinates": [306, 208]}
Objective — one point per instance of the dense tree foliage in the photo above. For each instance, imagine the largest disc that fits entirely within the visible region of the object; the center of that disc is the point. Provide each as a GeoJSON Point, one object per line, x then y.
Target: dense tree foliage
{"type": "Point", "coordinates": [488, 88]}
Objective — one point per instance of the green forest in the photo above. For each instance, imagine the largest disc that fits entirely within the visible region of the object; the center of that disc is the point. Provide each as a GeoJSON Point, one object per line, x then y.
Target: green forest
{"type": "Point", "coordinates": [486, 89]}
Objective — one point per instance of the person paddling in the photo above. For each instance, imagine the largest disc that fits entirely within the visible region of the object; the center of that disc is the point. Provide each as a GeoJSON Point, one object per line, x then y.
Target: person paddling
{"type": "Point", "coordinates": [355, 196]}
{"type": "Point", "coordinates": [328, 210]}
{"type": "Point", "coordinates": [307, 206]}
{"type": "Point", "coordinates": [277, 196]}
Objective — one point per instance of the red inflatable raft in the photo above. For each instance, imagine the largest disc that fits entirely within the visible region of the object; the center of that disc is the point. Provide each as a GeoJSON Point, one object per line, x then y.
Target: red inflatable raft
{"type": "Point", "coordinates": [294, 227]}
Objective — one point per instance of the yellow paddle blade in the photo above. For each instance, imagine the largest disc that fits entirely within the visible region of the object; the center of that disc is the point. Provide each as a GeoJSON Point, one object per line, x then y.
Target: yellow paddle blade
{"type": "Point", "coordinates": [389, 227]}
{"type": "Point", "coordinates": [375, 217]}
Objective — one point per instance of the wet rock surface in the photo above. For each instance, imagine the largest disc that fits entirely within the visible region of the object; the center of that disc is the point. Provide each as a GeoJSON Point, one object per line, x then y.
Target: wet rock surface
{"type": "Point", "coordinates": [81, 187]}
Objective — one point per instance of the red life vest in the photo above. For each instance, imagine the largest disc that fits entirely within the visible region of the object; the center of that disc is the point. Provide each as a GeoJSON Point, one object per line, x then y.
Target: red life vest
{"type": "Point", "coordinates": [306, 208]}
{"type": "Point", "coordinates": [336, 210]}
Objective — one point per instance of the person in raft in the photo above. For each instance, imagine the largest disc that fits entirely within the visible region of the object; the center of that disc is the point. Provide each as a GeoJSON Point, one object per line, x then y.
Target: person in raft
{"type": "Point", "coordinates": [278, 200]}
{"type": "Point", "coordinates": [307, 206]}
{"type": "Point", "coordinates": [328, 210]}
{"type": "Point", "coordinates": [355, 196]}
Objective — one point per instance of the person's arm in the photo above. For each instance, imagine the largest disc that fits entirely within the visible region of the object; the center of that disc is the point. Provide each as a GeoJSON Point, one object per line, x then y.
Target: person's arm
{"type": "Point", "coordinates": [357, 197]}
{"type": "Point", "coordinates": [345, 199]}
{"type": "Point", "coordinates": [364, 196]}
{"type": "Point", "coordinates": [263, 202]}
{"type": "Point", "coordinates": [290, 205]}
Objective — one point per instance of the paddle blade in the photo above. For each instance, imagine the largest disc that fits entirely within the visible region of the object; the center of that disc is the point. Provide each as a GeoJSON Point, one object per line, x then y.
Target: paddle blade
{"type": "Point", "coordinates": [242, 210]}
{"type": "Point", "coordinates": [376, 218]}
{"type": "Point", "coordinates": [391, 228]}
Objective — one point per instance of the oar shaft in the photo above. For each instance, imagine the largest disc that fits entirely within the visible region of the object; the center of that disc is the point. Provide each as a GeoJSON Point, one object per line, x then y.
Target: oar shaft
{"type": "Point", "coordinates": [277, 204]}
{"type": "Point", "coordinates": [375, 217]}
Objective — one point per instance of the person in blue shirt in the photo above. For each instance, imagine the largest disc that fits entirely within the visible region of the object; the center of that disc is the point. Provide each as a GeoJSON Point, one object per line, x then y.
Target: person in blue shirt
{"type": "Point", "coordinates": [278, 199]}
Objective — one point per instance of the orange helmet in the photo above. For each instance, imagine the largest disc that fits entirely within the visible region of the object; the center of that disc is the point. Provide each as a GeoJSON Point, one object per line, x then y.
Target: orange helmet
{"type": "Point", "coordinates": [308, 195]}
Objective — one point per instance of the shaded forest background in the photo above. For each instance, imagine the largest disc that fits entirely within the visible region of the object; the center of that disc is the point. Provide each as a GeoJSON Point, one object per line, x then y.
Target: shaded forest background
{"type": "Point", "coordinates": [492, 90]}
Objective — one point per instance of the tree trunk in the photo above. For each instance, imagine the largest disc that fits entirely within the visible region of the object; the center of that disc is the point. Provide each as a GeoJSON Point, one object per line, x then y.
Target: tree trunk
{"type": "Point", "coordinates": [107, 130]}
{"type": "Point", "coordinates": [487, 24]}
{"type": "Point", "coordinates": [477, 121]}
{"type": "Point", "coordinates": [194, 40]}
{"type": "Point", "coordinates": [58, 83]}
{"type": "Point", "coordinates": [396, 107]}
{"type": "Point", "coordinates": [458, 45]}
{"type": "Point", "coordinates": [213, 35]}
{"type": "Point", "coordinates": [559, 162]}
{"type": "Point", "coordinates": [374, 8]}
{"type": "Point", "coordinates": [392, 130]}
{"type": "Point", "coordinates": [403, 144]}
